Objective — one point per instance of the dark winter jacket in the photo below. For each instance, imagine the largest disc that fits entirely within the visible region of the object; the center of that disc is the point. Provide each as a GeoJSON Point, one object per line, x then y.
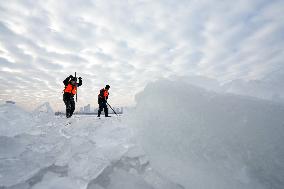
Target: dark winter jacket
{"type": "Point", "coordinates": [103, 96]}
{"type": "Point", "coordinates": [66, 82]}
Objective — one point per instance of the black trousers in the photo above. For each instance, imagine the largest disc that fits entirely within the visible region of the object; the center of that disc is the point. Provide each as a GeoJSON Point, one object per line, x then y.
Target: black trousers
{"type": "Point", "coordinates": [69, 103]}
{"type": "Point", "coordinates": [102, 106]}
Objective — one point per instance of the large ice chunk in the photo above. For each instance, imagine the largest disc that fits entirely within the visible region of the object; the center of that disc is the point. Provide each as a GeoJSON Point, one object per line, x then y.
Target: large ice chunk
{"type": "Point", "coordinates": [203, 139]}
{"type": "Point", "coordinates": [14, 120]}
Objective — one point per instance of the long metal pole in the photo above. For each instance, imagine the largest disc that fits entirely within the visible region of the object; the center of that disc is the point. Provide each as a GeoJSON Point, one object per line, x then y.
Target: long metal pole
{"type": "Point", "coordinates": [112, 108]}
{"type": "Point", "coordinates": [76, 86]}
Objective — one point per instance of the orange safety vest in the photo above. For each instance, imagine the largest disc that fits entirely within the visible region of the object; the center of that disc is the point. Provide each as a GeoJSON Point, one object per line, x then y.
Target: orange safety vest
{"type": "Point", "coordinates": [70, 89]}
{"type": "Point", "coordinates": [105, 94]}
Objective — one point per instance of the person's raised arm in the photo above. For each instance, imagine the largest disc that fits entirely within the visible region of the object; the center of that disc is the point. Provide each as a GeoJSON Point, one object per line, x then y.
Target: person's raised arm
{"type": "Point", "coordinates": [80, 81]}
{"type": "Point", "coordinates": [66, 81]}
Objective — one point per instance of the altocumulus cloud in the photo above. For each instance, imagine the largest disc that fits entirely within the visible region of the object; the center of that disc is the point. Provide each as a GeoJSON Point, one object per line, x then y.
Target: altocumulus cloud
{"type": "Point", "coordinates": [130, 43]}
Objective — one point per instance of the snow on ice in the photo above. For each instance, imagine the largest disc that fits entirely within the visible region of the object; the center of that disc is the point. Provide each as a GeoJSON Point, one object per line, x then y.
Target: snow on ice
{"type": "Point", "coordinates": [178, 136]}
{"type": "Point", "coordinates": [42, 151]}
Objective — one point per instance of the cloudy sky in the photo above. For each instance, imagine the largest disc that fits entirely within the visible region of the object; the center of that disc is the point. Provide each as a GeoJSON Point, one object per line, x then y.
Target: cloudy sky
{"type": "Point", "coordinates": [129, 43]}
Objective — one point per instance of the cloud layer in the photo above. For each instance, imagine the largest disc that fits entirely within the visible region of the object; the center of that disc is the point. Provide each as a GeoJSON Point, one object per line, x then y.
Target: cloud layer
{"type": "Point", "coordinates": [129, 43]}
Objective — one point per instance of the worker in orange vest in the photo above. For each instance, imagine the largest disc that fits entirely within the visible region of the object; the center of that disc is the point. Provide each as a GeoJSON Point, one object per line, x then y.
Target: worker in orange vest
{"type": "Point", "coordinates": [102, 101]}
{"type": "Point", "coordinates": [69, 92]}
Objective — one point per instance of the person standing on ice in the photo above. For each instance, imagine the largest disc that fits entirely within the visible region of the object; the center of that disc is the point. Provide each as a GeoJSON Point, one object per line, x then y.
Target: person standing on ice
{"type": "Point", "coordinates": [69, 92]}
{"type": "Point", "coordinates": [102, 101]}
